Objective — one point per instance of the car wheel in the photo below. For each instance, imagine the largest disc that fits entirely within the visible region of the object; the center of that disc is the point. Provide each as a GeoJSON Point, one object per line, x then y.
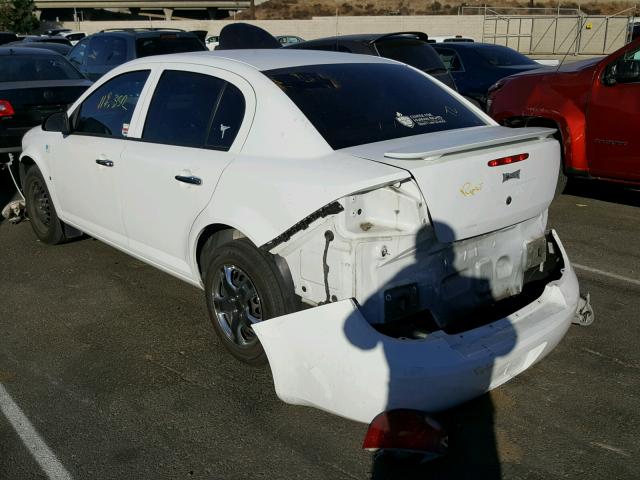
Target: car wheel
{"type": "Point", "coordinates": [244, 286]}
{"type": "Point", "coordinates": [42, 213]}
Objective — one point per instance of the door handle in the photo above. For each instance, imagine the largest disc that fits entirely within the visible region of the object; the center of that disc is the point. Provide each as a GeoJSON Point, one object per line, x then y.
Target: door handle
{"type": "Point", "coordinates": [189, 179]}
{"type": "Point", "coordinates": [104, 163]}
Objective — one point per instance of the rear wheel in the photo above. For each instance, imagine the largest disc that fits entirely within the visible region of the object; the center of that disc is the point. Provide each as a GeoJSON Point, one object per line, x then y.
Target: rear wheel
{"type": "Point", "coordinates": [42, 213]}
{"type": "Point", "coordinates": [244, 286]}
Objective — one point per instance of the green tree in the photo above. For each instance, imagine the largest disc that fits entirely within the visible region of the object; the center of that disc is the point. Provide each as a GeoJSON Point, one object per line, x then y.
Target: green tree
{"type": "Point", "coordinates": [17, 16]}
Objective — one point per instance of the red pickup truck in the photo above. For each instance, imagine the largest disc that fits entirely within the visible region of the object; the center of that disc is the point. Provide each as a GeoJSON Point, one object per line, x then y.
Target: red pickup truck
{"type": "Point", "coordinates": [594, 105]}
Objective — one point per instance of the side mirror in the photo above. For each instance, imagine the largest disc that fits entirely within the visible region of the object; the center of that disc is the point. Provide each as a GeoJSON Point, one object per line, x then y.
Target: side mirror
{"type": "Point", "coordinates": [57, 122]}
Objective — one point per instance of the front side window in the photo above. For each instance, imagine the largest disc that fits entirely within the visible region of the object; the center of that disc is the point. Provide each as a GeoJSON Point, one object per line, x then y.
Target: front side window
{"type": "Point", "coordinates": [356, 104]}
{"type": "Point", "coordinates": [76, 56]}
{"type": "Point", "coordinates": [108, 110]}
{"type": "Point", "coordinates": [107, 50]}
{"type": "Point", "coordinates": [194, 110]}
{"type": "Point", "coordinates": [500, 56]}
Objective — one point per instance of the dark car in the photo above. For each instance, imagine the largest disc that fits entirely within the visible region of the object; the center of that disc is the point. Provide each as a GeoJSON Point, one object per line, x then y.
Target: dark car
{"type": "Point", "coordinates": [34, 83]}
{"type": "Point", "coordinates": [46, 38]}
{"type": "Point", "coordinates": [96, 54]}
{"type": "Point", "coordinates": [411, 48]}
{"type": "Point", "coordinates": [6, 37]}
{"type": "Point", "coordinates": [477, 66]}
{"type": "Point", "coordinates": [60, 48]}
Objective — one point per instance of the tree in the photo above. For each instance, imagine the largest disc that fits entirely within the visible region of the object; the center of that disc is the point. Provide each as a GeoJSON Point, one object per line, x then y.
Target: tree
{"type": "Point", "coordinates": [17, 16]}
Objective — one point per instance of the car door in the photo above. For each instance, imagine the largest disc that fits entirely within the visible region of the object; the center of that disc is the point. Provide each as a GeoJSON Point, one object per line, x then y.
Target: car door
{"type": "Point", "coordinates": [195, 123]}
{"type": "Point", "coordinates": [86, 162]}
{"type": "Point", "coordinates": [613, 117]}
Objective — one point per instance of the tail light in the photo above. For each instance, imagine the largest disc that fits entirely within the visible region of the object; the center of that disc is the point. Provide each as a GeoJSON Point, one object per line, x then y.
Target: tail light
{"type": "Point", "coordinates": [408, 430]}
{"type": "Point", "coordinates": [6, 109]}
{"type": "Point", "coordinates": [508, 160]}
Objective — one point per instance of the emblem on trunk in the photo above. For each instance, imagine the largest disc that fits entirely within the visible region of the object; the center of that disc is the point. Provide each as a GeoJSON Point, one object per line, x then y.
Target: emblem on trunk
{"type": "Point", "coordinates": [468, 189]}
{"type": "Point", "coordinates": [510, 175]}
{"type": "Point", "coordinates": [404, 120]}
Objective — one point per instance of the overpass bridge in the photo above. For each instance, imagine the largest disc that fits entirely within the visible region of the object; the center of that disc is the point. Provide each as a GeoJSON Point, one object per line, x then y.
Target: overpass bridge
{"type": "Point", "coordinates": [134, 6]}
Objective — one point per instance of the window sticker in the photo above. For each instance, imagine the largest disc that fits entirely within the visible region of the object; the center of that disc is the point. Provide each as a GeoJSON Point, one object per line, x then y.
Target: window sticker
{"type": "Point", "coordinates": [223, 129]}
{"type": "Point", "coordinates": [125, 129]}
{"type": "Point", "coordinates": [420, 119]}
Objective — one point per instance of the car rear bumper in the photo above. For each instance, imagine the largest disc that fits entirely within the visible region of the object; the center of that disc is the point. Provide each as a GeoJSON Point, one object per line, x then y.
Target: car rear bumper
{"type": "Point", "coordinates": [331, 358]}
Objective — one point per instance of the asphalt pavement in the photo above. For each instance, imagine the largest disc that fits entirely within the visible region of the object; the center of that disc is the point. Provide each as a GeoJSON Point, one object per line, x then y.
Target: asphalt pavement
{"type": "Point", "coordinates": [111, 368]}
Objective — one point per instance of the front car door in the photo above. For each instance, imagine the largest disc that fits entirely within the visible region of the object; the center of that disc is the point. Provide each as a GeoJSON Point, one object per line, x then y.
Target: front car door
{"type": "Point", "coordinates": [613, 118]}
{"type": "Point", "coordinates": [86, 162]}
{"type": "Point", "coordinates": [195, 123]}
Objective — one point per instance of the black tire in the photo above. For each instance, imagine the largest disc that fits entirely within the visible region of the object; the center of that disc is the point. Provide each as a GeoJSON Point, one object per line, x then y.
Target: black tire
{"type": "Point", "coordinates": [42, 213]}
{"type": "Point", "coordinates": [232, 311]}
{"type": "Point", "coordinates": [562, 182]}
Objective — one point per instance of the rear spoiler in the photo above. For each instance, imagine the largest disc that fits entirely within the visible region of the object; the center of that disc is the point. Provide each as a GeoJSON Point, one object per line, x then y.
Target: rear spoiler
{"type": "Point", "coordinates": [421, 35]}
{"type": "Point", "coordinates": [475, 138]}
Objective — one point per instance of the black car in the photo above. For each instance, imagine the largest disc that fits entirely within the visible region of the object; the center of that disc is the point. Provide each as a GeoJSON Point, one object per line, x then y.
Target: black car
{"type": "Point", "coordinates": [60, 48]}
{"type": "Point", "coordinates": [6, 37]}
{"type": "Point", "coordinates": [477, 66]}
{"type": "Point", "coordinates": [96, 54]}
{"type": "Point", "coordinates": [411, 48]}
{"type": "Point", "coordinates": [34, 83]}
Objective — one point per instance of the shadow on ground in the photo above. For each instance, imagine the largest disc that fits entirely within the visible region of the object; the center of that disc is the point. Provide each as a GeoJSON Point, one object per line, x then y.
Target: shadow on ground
{"type": "Point", "coordinates": [606, 192]}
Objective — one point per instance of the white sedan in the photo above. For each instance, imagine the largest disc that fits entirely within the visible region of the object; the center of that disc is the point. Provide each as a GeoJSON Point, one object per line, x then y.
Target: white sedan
{"type": "Point", "coordinates": [374, 236]}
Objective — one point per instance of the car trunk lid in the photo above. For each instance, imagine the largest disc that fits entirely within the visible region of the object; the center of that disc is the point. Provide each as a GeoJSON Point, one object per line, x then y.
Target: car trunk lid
{"type": "Point", "coordinates": [469, 185]}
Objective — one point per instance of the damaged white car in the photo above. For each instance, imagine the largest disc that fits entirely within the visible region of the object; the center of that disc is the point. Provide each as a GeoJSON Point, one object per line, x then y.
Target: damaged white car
{"type": "Point", "coordinates": [375, 237]}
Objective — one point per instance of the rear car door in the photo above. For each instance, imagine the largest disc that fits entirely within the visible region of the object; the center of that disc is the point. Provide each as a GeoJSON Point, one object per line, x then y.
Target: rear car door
{"type": "Point", "coordinates": [195, 123]}
{"type": "Point", "coordinates": [613, 118]}
{"type": "Point", "coordinates": [86, 163]}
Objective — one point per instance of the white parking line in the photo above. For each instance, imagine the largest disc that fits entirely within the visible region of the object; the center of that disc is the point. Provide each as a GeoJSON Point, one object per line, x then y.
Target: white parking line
{"type": "Point", "coordinates": [39, 450]}
{"type": "Point", "coordinates": [632, 281]}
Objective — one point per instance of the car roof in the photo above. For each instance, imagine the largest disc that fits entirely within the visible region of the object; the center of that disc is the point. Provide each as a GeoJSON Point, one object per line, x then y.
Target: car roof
{"type": "Point", "coordinates": [264, 59]}
{"type": "Point", "coordinates": [11, 50]}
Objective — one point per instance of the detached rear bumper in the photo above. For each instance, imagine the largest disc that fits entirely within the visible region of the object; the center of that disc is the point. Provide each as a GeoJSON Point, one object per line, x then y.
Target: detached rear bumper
{"type": "Point", "coordinates": [331, 358]}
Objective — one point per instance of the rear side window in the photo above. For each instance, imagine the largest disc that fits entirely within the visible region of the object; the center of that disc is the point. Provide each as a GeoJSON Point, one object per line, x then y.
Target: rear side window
{"type": "Point", "coordinates": [165, 44]}
{"type": "Point", "coordinates": [14, 68]}
{"type": "Point", "coordinates": [450, 59]}
{"type": "Point", "coordinates": [107, 111]}
{"type": "Point", "coordinates": [194, 110]}
{"type": "Point", "coordinates": [355, 104]}
{"type": "Point", "coordinates": [412, 51]}
{"type": "Point", "coordinates": [107, 50]}
{"type": "Point", "coordinates": [502, 56]}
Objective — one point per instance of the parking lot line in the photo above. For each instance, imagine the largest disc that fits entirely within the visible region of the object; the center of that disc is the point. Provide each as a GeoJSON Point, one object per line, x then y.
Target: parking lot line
{"type": "Point", "coordinates": [41, 453]}
{"type": "Point", "coordinates": [632, 281]}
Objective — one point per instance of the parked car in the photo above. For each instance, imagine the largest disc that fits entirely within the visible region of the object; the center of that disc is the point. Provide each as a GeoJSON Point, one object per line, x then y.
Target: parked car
{"type": "Point", "coordinates": [34, 83]}
{"type": "Point", "coordinates": [45, 38]}
{"type": "Point", "coordinates": [212, 42]}
{"type": "Point", "coordinates": [57, 31]}
{"type": "Point", "coordinates": [411, 48]}
{"type": "Point", "coordinates": [6, 37]}
{"type": "Point", "coordinates": [60, 48]}
{"type": "Point", "coordinates": [96, 54]}
{"type": "Point", "coordinates": [477, 66]}
{"type": "Point", "coordinates": [449, 38]}
{"type": "Point", "coordinates": [277, 178]}
{"type": "Point", "coordinates": [593, 104]}
{"type": "Point", "coordinates": [289, 39]}
{"type": "Point", "coordinates": [73, 37]}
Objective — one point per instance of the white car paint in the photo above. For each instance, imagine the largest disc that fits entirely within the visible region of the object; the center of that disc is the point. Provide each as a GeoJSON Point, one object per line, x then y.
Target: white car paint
{"type": "Point", "coordinates": [394, 198]}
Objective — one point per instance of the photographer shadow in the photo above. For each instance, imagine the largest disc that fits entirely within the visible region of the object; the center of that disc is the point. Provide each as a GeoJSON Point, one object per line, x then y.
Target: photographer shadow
{"type": "Point", "coordinates": [472, 451]}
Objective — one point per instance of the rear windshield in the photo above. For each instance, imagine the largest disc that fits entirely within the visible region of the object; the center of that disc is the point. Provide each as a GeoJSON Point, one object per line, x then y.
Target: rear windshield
{"type": "Point", "coordinates": [14, 68]}
{"type": "Point", "coordinates": [168, 43]}
{"type": "Point", "coordinates": [503, 56]}
{"type": "Point", "coordinates": [412, 51]}
{"type": "Point", "coordinates": [355, 104]}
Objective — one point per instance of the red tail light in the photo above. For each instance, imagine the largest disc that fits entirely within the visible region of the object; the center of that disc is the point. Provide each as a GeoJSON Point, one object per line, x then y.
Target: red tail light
{"type": "Point", "coordinates": [409, 430]}
{"type": "Point", "coordinates": [507, 160]}
{"type": "Point", "coordinates": [6, 109]}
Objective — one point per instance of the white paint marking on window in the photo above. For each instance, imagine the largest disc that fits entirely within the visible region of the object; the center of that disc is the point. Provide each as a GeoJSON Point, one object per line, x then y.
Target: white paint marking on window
{"type": "Point", "coordinates": [39, 450]}
{"type": "Point", "coordinates": [632, 281]}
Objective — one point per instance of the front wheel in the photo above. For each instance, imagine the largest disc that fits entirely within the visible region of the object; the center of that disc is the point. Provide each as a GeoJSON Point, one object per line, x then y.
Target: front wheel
{"type": "Point", "coordinates": [244, 286]}
{"type": "Point", "coordinates": [42, 213]}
